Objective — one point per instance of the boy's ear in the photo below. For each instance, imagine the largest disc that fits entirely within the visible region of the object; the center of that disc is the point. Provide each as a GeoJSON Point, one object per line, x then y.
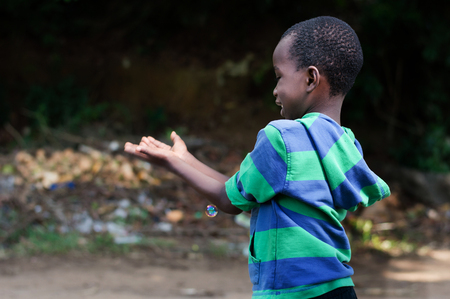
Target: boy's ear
{"type": "Point", "coordinates": [313, 77]}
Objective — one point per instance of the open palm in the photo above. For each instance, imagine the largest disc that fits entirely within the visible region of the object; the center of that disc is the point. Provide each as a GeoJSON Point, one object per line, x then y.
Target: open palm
{"type": "Point", "coordinates": [157, 152]}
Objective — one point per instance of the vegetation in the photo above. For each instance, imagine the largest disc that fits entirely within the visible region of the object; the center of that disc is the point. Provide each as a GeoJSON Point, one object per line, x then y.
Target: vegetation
{"type": "Point", "coordinates": [44, 240]}
{"type": "Point", "coordinates": [402, 87]}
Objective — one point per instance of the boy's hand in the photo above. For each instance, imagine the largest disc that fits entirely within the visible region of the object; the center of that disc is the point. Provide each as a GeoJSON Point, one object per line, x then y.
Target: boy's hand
{"type": "Point", "coordinates": [178, 160]}
{"type": "Point", "coordinates": [157, 152]}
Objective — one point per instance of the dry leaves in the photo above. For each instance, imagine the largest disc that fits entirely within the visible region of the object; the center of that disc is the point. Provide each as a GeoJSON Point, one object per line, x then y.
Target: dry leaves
{"type": "Point", "coordinates": [46, 170]}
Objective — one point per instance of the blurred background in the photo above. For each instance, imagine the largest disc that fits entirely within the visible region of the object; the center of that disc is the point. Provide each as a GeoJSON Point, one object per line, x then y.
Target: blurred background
{"type": "Point", "coordinates": [78, 78]}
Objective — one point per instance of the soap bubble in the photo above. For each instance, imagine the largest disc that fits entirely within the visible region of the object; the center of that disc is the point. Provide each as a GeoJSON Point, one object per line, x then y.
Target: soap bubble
{"type": "Point", "coordinates": [211, 211]}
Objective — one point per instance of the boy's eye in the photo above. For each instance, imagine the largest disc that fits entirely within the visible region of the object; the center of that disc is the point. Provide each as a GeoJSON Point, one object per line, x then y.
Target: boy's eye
{"type": "Point", "coordinates": [277, 79]}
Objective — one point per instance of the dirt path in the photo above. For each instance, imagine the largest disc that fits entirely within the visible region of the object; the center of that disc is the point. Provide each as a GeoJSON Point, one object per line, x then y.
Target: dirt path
{"type": "Point", "coordinates": [425, 277]}
{"type": "Point", "coordinates": [108, 278]}
{"type": "Point", "coordinates": [136, 278]}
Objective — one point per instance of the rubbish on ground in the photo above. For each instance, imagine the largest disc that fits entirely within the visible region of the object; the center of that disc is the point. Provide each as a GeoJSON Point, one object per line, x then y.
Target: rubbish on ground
{"type": "Point", "coordinates": [131, 239]}
{"type": "Point", "coordinates": [163, 227]}
{"type": "Point", "coordinates": [69, 185]}
{"type": "Point", "coordinates": [121, 213]}
{"type": "Point", "coordinates": [243, 220]}
{"type": "Point", "coordinates": [94, 192]}
{"type": "Point", "coordinates": [174, 216]}
{"type": "Point", "coordinates": [83, 222]}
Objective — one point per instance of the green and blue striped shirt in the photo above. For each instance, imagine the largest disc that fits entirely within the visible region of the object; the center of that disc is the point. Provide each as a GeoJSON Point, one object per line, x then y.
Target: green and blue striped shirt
{"type": "Point", "coordinates": [299, 182]}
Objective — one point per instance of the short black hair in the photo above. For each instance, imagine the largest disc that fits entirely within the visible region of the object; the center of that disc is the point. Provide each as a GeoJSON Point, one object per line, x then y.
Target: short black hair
{"type": "Point", "coordinates": [332, 46]}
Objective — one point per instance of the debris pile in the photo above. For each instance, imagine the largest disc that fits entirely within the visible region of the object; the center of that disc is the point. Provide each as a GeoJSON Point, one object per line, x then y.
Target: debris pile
{"type": "Point", "coordinates": [91, 192]}
{"type": "Point", "coordinates": [94, 192]}
{"type": "Point", "coordinates": [51, 171]}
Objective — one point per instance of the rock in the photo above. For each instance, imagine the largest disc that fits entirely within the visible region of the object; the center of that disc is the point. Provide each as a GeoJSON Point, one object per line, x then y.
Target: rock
{"type": "Point", "coordinates": [243, 220]}
{"type": "Point", "coordinates": [114, 146]}
{"type": "Point", "coordinates": [83, 222]}
{"type": "Point", "coordinates": [127, 171]}
{"type": "Point", "coordinates": [121, 213]}
{"type": "Point", "coordinates": [49, 178]}
{"type": "Point", "coordinates": [163, 227]}
{"type": "Point", "coordinates": [431, 189]}
{"type": "Point", "coordinates": [124, 203]}
{"type": "Point", "coordinates": [7, 184]}
{"type": "Point", "coordinates": [99, 226]}
{"type": "Point", "coordinates": [144, 200]}
{"type": "Point", "coordinates": [116, 230]}
{"type": "Point", "coordinates": [174, 216]}
{"type": "Point", "coordinates": [37, 209]}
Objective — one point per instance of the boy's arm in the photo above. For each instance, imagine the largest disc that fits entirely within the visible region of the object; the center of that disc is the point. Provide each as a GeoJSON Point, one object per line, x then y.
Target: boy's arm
{"type": "Point", "coordinates": [212, 189]}
{"type": "Point", "coordinates": [169, 158]}
{"type": "Point", "coordinates": [180, 149]}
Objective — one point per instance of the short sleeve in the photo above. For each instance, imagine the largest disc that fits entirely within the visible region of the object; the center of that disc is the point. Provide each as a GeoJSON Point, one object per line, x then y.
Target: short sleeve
{"type": "Point", "coordinates": [262, 174]}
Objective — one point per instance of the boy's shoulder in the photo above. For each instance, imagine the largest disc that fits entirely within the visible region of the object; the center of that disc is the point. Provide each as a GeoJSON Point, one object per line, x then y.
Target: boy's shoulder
{"type": "Point", "coordinates": [283, 123]}
{"type": "Point", "coordinates": [303, 123]}
{"type": "Point", "coordinates": [292, 135]}
{"type": "Point", "coordinates": [285, 127]}
{"type": "Point", "coordinates": [311, 131]}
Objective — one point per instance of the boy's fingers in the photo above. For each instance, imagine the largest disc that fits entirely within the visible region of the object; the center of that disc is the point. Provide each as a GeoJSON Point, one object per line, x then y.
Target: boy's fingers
{"type": "Point", "coordinates": [173, 135]}
{"type": "Point", "coordinates": [145, 141]}
{"type": "Point", "coordinates": [147, 144]}
{"type": "Point", "coordinates": [175, 138]}
{"type": "Point", "coordinates": [160, 144]}
{"type": "Point", "coordinates": [130, 147]}
{"type": "Point", "coordinates": [146, 150]}
{"type": "Point", "coordinates": [151, 139]}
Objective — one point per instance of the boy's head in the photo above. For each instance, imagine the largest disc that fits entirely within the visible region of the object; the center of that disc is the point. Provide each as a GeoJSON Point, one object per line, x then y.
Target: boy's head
{"type": "Point", "coordinates": [331, 46]}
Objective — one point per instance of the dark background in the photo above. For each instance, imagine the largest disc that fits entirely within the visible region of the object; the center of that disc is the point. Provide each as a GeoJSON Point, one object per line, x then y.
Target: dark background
{"type": "Point", "coordinates": [204, 68]}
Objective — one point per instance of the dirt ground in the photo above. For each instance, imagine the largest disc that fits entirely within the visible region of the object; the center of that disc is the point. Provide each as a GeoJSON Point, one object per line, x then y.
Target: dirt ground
{"type": "Point", "coordinates": [137, 276]}
{"type": "Point", "coordinates": [175, 274]}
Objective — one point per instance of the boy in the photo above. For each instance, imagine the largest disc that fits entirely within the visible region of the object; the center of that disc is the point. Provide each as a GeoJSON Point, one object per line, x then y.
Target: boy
{"type": "Point", "coordinates": [304, 173]}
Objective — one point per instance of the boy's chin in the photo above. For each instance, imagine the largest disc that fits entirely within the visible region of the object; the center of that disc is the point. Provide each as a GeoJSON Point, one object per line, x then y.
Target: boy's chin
{"type": "Point", "coordinates": [283, 114]}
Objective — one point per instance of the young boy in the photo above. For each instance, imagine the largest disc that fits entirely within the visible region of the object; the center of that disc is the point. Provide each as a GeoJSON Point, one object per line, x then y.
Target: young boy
{"type": "Point", "coordinates": [304, 173]}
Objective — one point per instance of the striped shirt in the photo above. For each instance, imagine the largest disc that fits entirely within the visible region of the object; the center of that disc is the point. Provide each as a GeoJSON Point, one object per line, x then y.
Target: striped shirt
{"type": "Point", "coordinates": [299, 181]}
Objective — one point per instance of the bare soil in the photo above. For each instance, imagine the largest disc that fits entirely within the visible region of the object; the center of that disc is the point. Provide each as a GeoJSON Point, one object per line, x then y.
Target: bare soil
{"type": "Point", "coordinates": [161, 274]}
{"type": "Point", "coordinates": [138, 276]}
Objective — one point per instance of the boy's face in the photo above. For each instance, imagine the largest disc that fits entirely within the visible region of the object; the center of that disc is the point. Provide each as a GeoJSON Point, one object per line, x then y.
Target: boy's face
{"type": "Point", "coordinates": [290, 92]}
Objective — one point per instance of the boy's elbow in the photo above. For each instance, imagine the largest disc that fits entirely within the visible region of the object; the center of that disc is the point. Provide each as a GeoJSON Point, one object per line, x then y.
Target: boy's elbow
{"type": "Point", "coordinates": [232, 210]}
{"type": "Point", "coordinates": [225, 203]}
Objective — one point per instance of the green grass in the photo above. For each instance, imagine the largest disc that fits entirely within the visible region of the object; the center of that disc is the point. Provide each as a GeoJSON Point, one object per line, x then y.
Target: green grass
{"type": "Point", "coordinates": [104, 243]}
{"type": "Point", "coordinates": [38, 240]}
{"type": "Point", "coordinates": [218, 248]}
{"type": "Point", "coordinates": [396, 242]}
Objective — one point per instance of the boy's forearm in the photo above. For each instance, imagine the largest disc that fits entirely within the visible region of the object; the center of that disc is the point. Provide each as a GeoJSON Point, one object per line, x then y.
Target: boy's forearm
{"type": "Point", "coordinates": [204, 183]}
{"type": "Point", "coordinates": [200, 166]}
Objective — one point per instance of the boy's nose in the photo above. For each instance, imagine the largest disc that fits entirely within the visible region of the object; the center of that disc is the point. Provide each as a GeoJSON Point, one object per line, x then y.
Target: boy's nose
{"type": "Point", "coordinates": [275, 92]}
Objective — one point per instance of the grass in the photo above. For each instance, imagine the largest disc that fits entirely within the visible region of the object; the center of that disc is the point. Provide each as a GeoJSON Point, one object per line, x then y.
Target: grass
{"type": "Point", "coordinates": [218, 248]}
{"type": "Point", "coordinates": [362, 236]}
{"type": "Point", "coordinates": [42, 240]}
{"type": "Point", "coordinates": [38, 240]}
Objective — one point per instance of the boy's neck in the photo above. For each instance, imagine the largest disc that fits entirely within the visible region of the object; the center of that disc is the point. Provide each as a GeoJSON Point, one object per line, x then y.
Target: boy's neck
{"type": "Point", "coordinates": [334, 114]}
{"type": "Point", "coordinates": [330, 107]}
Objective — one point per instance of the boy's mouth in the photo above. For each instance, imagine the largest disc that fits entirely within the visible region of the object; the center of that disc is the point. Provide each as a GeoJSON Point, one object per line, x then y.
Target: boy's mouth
{"type": "Point", "coordinates": [281, 105]}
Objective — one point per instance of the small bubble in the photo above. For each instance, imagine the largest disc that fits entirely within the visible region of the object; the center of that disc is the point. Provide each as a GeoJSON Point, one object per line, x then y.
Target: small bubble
{"type": "Point", "coordinates": [211, 211]}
